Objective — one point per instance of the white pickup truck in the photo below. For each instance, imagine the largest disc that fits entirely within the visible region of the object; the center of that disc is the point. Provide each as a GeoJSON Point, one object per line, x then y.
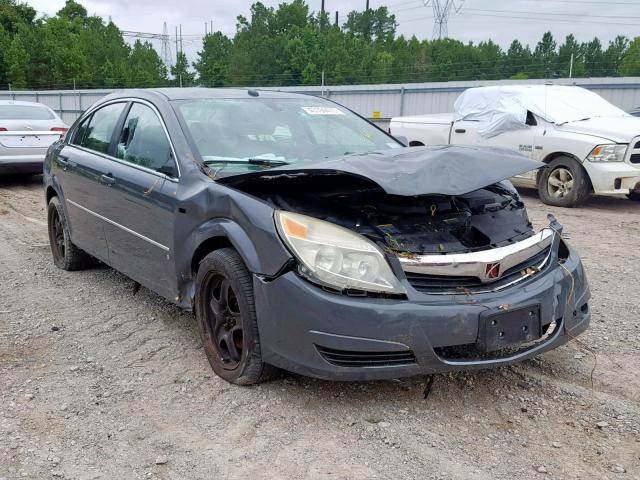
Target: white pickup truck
{"type": "Point", "coordinates": [589, 145]}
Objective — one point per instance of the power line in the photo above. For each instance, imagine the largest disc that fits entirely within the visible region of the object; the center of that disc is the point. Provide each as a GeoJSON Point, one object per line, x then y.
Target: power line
{"type": "Point", "coordinates": [517, 12]}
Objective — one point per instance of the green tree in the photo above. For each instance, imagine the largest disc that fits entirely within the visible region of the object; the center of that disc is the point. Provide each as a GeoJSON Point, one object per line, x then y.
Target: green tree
{"type": "Point", "coordinates": [146, 68]}
{"type": "Point", "coordinates": [518, 61]}
{"type": "Point", "coordinates": [568, 50]}
{"type": "Point", "coordinates": [16, 58]}
{"type": "Point", "coordinates": [630, 65]}
{"type": "Point", "coordinates": [545, 58]}
{"type": "Point", "coordinates": [594, 59]}
{"type": "Point", "coordinates": [614, 54]}
{"type": "Point", "coordinates": [213, 60]}
{"type": "Point", "coordinates": [182, 77]}
{"type": "Point", "coordinates": [72, 11]}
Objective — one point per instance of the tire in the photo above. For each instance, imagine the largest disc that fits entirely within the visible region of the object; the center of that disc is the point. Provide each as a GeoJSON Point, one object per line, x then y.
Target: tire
{"type": "Point", "coordinates": [635, 196]}
{"type": "Point", "coordinates": [564, 183]}
{"type": "Point", "coordinates": [65, 254]}
{"type": "Point", "coordinates": [226, 316]}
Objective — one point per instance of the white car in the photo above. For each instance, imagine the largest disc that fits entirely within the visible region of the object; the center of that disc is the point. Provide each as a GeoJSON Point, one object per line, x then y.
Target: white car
{"type": "Point", "coordinates": [589, 145]}
{"type": "Point", "coordinates": [27, 129]}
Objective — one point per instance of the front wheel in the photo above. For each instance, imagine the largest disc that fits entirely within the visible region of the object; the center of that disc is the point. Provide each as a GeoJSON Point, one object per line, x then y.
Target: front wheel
{"type": "Point", "coordinates": [564, 183]}
{"type": "Point", "coordinates": [226, 316]}
{"type": "Point", "coordinates": [635, 196]}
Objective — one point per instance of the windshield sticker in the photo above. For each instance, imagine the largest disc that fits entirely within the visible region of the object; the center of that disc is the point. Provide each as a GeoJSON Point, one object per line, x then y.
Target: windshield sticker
{"type": "Point", "coordinates": [322, 111]}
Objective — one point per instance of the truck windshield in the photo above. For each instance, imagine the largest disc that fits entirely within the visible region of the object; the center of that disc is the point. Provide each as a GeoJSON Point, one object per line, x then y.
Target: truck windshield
{"type": "Point", "coordinates": [254, 133]}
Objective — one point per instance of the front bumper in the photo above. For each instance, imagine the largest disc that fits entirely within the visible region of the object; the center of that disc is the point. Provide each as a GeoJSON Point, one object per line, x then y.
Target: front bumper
{"type": "Point", "coordinates": [614, 177]}
{"type": "Point", "coordinates": [297, 321]}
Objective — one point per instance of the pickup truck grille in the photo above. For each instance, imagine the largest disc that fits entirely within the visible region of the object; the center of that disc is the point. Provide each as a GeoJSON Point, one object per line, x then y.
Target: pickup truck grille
{"type": "Point", "coordinates": [460, 285]}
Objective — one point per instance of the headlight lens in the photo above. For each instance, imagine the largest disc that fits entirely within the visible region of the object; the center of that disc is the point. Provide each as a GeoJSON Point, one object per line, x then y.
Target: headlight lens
{"type": "Point", "coordinates": [335, 256]}
{"type": "Point", "coordinates": [608, 153]}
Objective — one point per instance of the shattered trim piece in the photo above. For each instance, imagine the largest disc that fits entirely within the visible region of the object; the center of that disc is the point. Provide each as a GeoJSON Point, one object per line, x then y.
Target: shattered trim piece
{"type": "Point", "coordinates": [486, 265]}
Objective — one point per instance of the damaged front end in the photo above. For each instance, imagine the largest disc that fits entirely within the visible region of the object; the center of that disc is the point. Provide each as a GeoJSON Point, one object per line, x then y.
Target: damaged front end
{"type": "Point", "coordinates": [473, 242]}
{"type": "Point", "coordinates": [418, 274]}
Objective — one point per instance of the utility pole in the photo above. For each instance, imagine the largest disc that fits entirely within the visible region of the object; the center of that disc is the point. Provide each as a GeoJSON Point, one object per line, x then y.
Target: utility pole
{"type": "Point", "coordinates": [180, 38]}
{"type": "Point", "coordinates": [337, 15]}
{"type": "Point", "coordinates": [367, 5]}
{"type": "Point", "coordinates": [211, 26]}
{"type": "Point", "coordinates": [177, 44]}
{"type": "Point", "coordinates": [571, 66]}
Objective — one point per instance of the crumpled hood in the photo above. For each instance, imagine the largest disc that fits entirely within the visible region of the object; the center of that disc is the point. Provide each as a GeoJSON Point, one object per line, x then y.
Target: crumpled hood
{"type": "Point", "coordinates": [617, 129]}
{"type": "Point", "coordinates": [411, 171]}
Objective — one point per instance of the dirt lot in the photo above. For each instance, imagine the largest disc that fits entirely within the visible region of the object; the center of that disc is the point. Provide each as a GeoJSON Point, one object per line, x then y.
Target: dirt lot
{"type": "Point", "coordinates": [96, 382]}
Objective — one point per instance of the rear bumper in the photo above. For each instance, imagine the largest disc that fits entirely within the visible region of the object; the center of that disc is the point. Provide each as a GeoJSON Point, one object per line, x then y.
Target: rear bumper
{"type": "Point", "coordinates": [302, 326]}
{"type": "Point", "coordinates": [22, 163]}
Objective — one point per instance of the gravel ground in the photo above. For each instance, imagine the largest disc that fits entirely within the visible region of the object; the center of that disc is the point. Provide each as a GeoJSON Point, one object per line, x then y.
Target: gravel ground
{"type": "Point", "coordinates": [99, 382]}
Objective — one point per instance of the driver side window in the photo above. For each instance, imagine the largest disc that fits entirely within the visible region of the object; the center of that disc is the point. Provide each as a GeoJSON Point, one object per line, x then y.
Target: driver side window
{"type": "Point", "coordinates": [143, 141]}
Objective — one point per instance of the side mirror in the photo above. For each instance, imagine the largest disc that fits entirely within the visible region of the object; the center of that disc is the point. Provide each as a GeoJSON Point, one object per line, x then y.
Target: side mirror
{"type": "Point", "coordinates": [403, 140]}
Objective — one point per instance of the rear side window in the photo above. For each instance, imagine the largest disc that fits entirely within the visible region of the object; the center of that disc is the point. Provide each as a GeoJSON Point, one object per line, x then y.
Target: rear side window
{"type": "Point", "coordinates": [96, 134]}
{"type": "Point", "coordinates": [25, 112]}
{"type": "Point", "coordinates": [143, 140]}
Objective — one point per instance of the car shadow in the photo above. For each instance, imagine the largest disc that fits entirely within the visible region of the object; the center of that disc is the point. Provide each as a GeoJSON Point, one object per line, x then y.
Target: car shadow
{"type": "Point", "coordinates": [19, 180]}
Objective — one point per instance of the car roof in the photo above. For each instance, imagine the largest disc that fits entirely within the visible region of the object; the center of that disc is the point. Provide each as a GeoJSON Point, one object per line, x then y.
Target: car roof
{"type": "Point", "coordinates": [199, 93]}
{"type": "Point", "coordinates": [26, 104]}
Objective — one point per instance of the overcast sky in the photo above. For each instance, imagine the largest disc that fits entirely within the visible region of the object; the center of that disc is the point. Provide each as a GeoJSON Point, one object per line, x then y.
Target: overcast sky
{"type": "Point", "coordinates": [499, 20]}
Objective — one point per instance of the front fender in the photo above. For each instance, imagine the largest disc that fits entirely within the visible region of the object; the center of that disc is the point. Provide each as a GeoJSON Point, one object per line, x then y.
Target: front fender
{"type": "Point", "coordinates": [237, 237]}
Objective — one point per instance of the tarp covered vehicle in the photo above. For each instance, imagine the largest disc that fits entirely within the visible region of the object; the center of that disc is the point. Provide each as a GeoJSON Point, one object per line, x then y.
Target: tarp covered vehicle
{"type": "Point", "coordinates": [307, 239]}
{"type": "Point", "coordinates": [588, 144]}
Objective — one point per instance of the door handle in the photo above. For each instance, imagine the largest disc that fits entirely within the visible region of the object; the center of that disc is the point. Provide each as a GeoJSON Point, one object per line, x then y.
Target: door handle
{"type": "Point", "coordinates": [63, 161]}
{"type": "Point", "coordinates": [460, 130]}
{"type": "Point", "coordinates": [107, 179]}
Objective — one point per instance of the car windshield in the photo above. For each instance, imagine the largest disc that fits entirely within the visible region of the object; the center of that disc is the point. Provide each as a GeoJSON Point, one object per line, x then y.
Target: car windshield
{"type": "Point", "coordinates": [24, 112]}
{"type": "Point", "coordinates": [254, 133]}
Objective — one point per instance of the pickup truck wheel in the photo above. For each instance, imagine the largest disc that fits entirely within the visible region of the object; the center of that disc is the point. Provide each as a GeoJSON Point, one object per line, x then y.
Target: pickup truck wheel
{"type": "Point", "coordinates": [226, 316]}
{"type": "Point", "coordinates": [635, 196]}
{"type": "Point", "coordinates": [564, 183]}
{"type": "Point", "coordinates": [65, 254]}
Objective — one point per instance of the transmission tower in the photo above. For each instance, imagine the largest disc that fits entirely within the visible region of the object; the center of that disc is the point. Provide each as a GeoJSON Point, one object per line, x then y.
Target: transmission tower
{"type": "Point", "coordinates": [165, 50]}
{"type": "Point", "coordinates": [441, 11]}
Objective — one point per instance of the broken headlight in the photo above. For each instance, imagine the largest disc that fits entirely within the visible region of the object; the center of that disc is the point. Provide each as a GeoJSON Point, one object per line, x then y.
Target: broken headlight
{"type": "Point", "coordinates": [608, 153]}
{"type": "Point", "coordinates": [335, 256]}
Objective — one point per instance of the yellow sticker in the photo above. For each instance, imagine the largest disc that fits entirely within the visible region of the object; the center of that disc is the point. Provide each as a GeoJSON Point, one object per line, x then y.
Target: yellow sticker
{"type": "Point", "coordinates": [377, 115]}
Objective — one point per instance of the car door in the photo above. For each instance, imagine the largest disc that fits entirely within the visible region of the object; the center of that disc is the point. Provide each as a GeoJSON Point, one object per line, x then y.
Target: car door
{"type": "Point", "coordinates": [80, 168]}
{"type": "Point", "coordinates": [141, 200]}
{"type": "Point", "coordinates": [465, 132]}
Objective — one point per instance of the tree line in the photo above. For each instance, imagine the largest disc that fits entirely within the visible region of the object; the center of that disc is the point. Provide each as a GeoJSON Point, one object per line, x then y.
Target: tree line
{"type": "Point", "coordinates": [287, 45]}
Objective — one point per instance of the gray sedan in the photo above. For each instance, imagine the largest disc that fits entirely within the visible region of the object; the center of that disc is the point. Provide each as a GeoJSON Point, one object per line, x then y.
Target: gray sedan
{"type": "Point", "coordinates": [27, 129]}
{"type": "Point", "coordinates": [305, 238]}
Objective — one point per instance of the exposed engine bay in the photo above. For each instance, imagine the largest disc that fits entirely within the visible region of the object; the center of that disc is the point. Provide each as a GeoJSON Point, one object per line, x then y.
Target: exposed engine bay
{"type": "Point", "coordinates": [486, 218]}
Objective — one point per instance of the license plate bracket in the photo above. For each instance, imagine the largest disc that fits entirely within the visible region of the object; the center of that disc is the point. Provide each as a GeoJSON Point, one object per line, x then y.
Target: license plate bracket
{"type": "Point", "coordinates": [505, 329]}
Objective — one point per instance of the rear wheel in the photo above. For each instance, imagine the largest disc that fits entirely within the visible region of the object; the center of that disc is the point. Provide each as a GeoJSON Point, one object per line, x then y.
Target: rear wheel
{"type": "Point", "coordinates": [564, 183]}
{"type": "Point", "coordinates": [65, 254]}
{"type": "Point", "coordinates": [226, 316]}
